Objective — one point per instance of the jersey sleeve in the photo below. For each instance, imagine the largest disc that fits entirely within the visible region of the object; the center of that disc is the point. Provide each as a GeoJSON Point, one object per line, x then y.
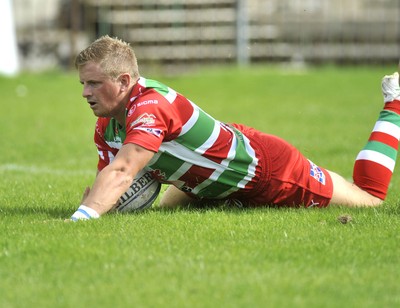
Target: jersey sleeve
{"type": "Point", "coordinates": [152, 120]}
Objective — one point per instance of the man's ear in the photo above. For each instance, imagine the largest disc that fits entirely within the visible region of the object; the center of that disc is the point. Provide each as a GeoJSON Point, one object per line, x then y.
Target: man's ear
{"type": "Point", "coordinates": [125, 81]}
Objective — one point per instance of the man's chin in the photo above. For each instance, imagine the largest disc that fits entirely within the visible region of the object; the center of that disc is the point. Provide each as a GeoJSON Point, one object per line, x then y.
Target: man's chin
{"type": "Point", "coordinates": [98, 113]}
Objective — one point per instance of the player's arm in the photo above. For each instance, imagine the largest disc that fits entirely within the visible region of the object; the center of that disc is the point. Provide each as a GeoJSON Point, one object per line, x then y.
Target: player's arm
{"type": "Point", "coordinates": [113, 181]}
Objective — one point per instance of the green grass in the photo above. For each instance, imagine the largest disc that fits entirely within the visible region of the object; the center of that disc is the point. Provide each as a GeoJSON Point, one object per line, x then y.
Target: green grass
{"type": "Point", "coordinates": [207, 257]}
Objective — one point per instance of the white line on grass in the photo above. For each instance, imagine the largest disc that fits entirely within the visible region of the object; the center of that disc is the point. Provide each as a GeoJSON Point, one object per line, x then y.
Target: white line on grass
{"type": "Point", "coordinates": [44, 170]}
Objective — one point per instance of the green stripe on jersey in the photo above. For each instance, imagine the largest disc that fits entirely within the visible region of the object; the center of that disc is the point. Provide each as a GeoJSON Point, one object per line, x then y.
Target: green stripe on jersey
{"type": "Point", "coordinates": [199, 133]}
{"type": "Point", "coordinates": [389, 116]}
{"type": "Point", "coordinates": [381, 148]}
{"type": "Point", "coordinates": [156, 85]}
{"type": "Point", "coordinates": [242, 158]}
{"type": "Point", "coordinates": [167, 162]}
{"type": "Point", "coordinates": [236, 171]}
{"type": "Point", "coordinates": [216, 189]}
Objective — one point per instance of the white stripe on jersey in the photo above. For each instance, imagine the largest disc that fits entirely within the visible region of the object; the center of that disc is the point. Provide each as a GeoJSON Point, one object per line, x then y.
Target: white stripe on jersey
{"type": "Point", "coordinates": [378, 158]}
{"type": "Point", "coordinates": [110, 155]}
{"type": "Point", "coordinates": [252, 153]}
{"type": "Point", "coordinates": [192, 121]}
{"type": "Point", "coordinates": [387, 128]}
{"type": "Point", "coordinates": [114, 145]}
{"type": "Point", "coordinates": [171, 95]}
{"type": "Point", "coordinates": [251, 170]}
{"type": "Point", "coordinates": [211, 140]}
{"type": "Point", "coordinates": [186, 155]}
{"type": "Point", "coordinates": [142, 81]}
{"type": "Point", "coordinates": [181, 171]}
{"type": "Point", "coordinates": [216, 174]}
{"type": "Point", "coordinates": [101, 154]}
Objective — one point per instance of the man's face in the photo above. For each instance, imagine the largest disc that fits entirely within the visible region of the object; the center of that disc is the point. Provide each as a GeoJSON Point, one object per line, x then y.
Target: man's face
{"type": "Point", "coordinates": [101, 92]}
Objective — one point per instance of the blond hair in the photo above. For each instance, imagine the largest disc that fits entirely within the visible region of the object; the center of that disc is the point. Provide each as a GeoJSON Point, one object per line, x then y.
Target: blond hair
{"type": "Point", "coordinates": [114, 56]}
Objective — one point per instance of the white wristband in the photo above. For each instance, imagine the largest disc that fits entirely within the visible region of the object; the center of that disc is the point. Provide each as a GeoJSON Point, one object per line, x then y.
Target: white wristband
{"type": "Point", "coordinates": [84, 213]}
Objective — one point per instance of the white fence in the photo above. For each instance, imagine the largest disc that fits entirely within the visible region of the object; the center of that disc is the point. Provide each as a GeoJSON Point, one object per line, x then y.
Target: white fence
{"type": "Point", "coordinates": [197, 32]}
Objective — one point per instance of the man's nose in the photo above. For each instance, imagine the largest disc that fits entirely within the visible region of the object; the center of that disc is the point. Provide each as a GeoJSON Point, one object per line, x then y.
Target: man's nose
{"type": "Point", "coordinates": [86, 92]}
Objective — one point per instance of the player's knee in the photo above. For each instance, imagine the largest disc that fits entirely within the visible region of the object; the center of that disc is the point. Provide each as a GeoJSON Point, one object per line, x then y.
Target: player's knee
{"type": "Point", "coordinates": [349, 194]}
{"type": "Point", "coordinates": [173, 197]}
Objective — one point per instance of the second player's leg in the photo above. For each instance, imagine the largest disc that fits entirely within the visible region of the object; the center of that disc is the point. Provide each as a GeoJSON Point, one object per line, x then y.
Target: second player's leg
{"type": "Point", "coordinates": [375, 163]}
{"type": "Point", "coordinates": [349, 194]}
{"type": "Point", "coordinates": [173, 197]}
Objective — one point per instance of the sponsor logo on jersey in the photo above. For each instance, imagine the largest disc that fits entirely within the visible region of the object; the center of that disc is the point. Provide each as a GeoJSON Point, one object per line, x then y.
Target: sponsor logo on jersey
{"type": "Point", "coordinates": [131, 111]}
{"type": "Point", "coordinates": [148, 102]}
{"type": "Point", "coordinates": [145, 119]}
{"type": "Point", "coordinates": [154, 131]}
{"type": "Point", "coordinates": [317, 173]}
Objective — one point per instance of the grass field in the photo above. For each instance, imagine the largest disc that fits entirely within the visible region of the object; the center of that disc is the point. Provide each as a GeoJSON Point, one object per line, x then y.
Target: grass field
{"type": "Point", "coordinates": [210, 257]}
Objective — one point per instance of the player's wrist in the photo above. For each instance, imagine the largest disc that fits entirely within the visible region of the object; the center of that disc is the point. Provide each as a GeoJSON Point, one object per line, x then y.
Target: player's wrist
{"type": "Point", "coordinates": [84, 213]}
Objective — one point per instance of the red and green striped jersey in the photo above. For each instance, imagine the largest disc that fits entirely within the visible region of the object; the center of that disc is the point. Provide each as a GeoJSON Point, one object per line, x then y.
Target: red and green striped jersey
{"type": "Point", "coordinates": [193, 151]}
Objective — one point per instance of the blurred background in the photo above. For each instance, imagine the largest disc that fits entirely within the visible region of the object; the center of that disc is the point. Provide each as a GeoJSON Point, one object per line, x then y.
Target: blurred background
{"type": "Point", "coordinates": [174, 35]}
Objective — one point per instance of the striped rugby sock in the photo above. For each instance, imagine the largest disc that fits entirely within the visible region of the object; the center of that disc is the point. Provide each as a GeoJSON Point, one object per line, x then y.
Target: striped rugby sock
{"type": "Point", "coordinates": [374, 165]}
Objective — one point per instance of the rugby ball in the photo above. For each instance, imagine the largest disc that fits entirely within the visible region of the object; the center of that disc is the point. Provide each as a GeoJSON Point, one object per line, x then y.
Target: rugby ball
{"type": "Point", "coordinates": [140, 195]}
